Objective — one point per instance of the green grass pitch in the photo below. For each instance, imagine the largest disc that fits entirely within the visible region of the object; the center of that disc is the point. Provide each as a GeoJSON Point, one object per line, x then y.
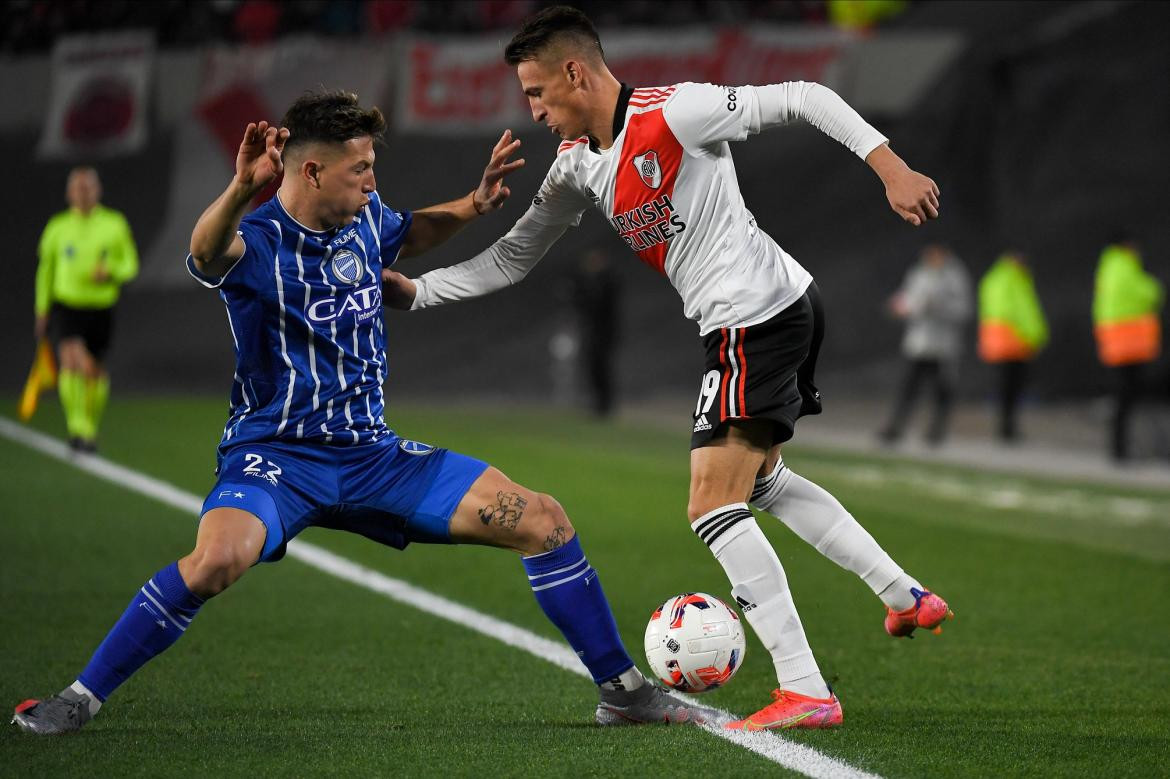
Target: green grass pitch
{"type": "Point", "coordinates": [1058, 663]}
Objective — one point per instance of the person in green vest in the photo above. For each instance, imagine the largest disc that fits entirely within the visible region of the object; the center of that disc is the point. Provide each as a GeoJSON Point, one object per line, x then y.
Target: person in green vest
{"type": "Point", "coordinates": [86, 254]}
{"type": "Point", "coordinates": [1126, 322]}
{"type": "Point", "coordinates": [1012, 331]}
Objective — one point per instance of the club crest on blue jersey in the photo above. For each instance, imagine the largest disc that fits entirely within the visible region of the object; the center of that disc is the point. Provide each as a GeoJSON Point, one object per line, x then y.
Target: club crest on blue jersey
{"type": "Point", "coordinates": [347, 267]}
{"type": "Point", "coordinates": [648, 169]}
{"type": "Point", "coordinates": [415, 447]}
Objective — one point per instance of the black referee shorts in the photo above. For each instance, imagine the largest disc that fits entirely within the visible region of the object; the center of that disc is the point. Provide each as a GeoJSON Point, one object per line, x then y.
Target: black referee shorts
{"type": "Point", "coordinates": [764, 371]}
{"type": "Point", "coordinates": [92, 325]}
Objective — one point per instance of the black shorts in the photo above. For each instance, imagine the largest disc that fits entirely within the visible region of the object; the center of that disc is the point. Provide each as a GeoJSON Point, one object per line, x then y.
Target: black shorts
{"type": "Point", "coordinates": [762, 372]}
{"type": "Point", "coordinates": [92, 325]}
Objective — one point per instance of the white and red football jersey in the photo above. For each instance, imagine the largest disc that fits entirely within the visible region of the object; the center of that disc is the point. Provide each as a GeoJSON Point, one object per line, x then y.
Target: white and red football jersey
{"type": "Point", "coordinates": [667, 185]}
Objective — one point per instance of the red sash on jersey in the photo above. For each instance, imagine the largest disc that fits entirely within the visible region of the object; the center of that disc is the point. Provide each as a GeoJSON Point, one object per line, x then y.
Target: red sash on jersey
{"type": "Point", "coordinates": [644, 188]}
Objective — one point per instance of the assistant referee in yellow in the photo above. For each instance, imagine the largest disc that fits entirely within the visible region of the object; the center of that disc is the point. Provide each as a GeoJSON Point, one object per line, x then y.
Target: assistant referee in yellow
{"type": "Point", "coordinates": [86, 254]}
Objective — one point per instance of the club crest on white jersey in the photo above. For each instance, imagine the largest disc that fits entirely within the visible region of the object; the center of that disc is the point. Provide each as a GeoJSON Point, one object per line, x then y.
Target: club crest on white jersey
{"type": "Point", "coordinates": [347, 267]}
{"type": "Point", "coordinates": [648, 169]}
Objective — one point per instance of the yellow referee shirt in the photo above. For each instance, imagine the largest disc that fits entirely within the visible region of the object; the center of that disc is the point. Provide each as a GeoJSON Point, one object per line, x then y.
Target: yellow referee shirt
{"type": "Point", "coordinates": [72, 247]}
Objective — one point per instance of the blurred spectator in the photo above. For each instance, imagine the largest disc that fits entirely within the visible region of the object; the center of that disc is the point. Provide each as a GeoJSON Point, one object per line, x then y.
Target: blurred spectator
{"type": "Point", "coordinates": [1012, 331]}
{"type": "Point", "coordinates": [257, 21]}
{"type": "Point", "coordinates": [86, 255]}
{"type": "Point", "coordinates": [863, 14]}
{"type": "Point", "coordinates": [1126, 306]}
{"type": "Point", "coordinates": [387, 16]}
{"type": "Point", "coordinates": [935, 302]}
{"type": "Point", "coordinates": [597, 300]}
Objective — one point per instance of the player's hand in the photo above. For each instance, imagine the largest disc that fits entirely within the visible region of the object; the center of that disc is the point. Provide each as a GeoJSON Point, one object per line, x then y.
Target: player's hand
{"type": "Point", "coordinates": [397, 290]}
{"type": "Point", "coordinates": [258, 162]}
{"type": "Point", "coordinates": [898, 306]}
{"type": "Point", "coordinates": [913, 197]}
{"type": "Point", "coordinates": [41, 327]}
{"type": "Point", "coordinates": [100, 274]}
{"type": "Point", "coordinates": [491, 192]}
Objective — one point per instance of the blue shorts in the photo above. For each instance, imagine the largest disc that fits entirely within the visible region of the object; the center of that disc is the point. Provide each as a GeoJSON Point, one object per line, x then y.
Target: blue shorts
{"type": "Point", "coordinates": [393, 491]}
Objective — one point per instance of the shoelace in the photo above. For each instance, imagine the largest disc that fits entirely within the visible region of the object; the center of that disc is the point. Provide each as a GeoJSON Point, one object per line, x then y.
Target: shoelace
{"type": "Point", "coordinates": [73, 710]}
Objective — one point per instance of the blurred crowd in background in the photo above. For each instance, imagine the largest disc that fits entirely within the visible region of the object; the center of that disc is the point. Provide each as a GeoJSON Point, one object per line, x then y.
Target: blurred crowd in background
{"type": "Point", "coordinates": [31, 25]}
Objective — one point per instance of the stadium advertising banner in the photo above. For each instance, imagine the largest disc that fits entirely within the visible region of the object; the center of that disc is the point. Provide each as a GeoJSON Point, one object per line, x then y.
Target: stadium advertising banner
{"type": "Point", "coordinates": [461, 85]}
{"type": "Point", "coordinates": [98, 97]}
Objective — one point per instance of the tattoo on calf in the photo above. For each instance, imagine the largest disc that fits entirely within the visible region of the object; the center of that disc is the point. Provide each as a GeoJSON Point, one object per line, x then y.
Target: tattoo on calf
{"type": "Point", "coordinates": [555, 540]}
{"type": "Point", "coordinates": [505, 512]}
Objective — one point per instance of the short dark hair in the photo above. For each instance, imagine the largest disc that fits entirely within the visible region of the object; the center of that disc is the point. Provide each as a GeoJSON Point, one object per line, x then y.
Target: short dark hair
{"type": "Point", "coordinates": [330, 117]}
{"type": "Point", "coordinates": [542, 29]}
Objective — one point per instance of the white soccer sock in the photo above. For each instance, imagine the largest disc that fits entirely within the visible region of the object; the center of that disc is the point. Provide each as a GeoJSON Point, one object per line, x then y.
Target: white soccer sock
{"type": "Point", "coordinates": [820, 519]}
{"type": "Point", "coordinates": [760, 588]}
{"type": "Point", "coordinates": [94, 702]}
{"type": "Point", "coordinates": [629, 680]}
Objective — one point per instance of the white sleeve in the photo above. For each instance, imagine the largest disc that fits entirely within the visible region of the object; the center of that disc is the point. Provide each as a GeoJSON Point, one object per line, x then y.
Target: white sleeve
{"type": "Point", "coordinates": [555, 207]}
{"type": "Point", "coordinates": [704, 114]}
{"type": "Point", "coordinates": [505, 262]}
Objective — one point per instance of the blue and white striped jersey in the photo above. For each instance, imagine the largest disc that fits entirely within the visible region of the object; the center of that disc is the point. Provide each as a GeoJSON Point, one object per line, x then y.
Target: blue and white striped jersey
{"type": "Point", "coordinates": [305, 311]}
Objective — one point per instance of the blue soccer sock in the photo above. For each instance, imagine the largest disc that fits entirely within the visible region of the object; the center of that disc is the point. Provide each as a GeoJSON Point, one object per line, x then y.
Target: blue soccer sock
{"type": "Point", "coordinates": [569, 591]}
{"type": "Point", "coordinates": [159, 613]}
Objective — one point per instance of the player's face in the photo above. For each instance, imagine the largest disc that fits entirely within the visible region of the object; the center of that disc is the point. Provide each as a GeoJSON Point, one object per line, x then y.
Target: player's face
{"type": "Point", "coordinates": [346, 179]}
{"type": "Point", "coordinates": [554, 100]}
{"type": "Point", "coordinates": [82, 190]}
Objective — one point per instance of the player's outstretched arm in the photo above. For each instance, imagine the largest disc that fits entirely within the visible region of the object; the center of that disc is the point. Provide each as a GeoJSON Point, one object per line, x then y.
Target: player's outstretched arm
{"type": "Point", "coordinates": [398, 291]}
{"type": "Point", "coordinates": [913, 197]}
{"type": "Point", "coordinates": [433, 225]}
{"type": "Point", "coordinates": [706, 114]}
{"type": "Point", "coordinates": [215, 247]}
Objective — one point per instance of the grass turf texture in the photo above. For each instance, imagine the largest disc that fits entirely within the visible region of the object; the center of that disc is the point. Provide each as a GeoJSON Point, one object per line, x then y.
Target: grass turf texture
{"type": "Point", "coordinates": [1057, 664]}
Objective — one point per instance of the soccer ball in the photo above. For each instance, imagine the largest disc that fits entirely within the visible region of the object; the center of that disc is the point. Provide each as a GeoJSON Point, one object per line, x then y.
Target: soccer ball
{"type": "Point", "coordinates": [694, 642]}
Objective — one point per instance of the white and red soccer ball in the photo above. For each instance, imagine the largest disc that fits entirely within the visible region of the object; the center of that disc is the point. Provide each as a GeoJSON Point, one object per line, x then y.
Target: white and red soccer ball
{"type": "Point", "coordinates": [694, 642]}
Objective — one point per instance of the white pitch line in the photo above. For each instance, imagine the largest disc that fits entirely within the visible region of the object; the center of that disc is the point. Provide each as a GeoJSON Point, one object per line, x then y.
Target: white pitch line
{"type": "Point", "coordinates": [796, 757]}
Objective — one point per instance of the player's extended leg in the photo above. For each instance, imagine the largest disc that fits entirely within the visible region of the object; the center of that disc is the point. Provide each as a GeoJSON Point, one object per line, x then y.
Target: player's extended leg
{"type": "Point", "coordinates": [820, 520]}
{"type": "Point", "coordinates": [722, 474]}
{"type": "Point", "coordinates": [498, 512]}
{"type": "Point", "coordinates": [228, 543]}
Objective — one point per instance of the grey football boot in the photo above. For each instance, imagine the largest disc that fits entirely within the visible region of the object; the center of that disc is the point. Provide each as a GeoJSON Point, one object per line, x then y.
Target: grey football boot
{"type": "Point", "coordinates": [63, 713]}
{"type": "Point", "coordinates": [648, 704]}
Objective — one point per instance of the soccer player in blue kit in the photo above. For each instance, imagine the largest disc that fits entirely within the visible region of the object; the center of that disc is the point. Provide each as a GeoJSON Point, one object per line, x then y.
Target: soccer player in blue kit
{"type": "Point", "coordinates": [306, 442]}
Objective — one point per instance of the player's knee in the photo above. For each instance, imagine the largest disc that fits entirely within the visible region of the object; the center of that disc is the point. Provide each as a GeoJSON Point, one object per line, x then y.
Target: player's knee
{"type": "Point", "coordinates": [547, 526]}
{"type": "Point", "coordinates": [212, 568]}
{"type": "Point", "coordinates": [706, 497]}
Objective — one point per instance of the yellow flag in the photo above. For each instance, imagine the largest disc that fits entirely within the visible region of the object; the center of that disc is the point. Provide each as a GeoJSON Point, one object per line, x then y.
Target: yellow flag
{"type": "Point", "coordinates": [43, 376]}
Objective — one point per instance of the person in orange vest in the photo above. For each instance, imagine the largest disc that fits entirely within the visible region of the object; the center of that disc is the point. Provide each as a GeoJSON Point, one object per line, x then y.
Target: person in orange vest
{"type": "Point", "coordinates": [1012, 331]}
{"type": "Point", "coordinates": [1126, 306]}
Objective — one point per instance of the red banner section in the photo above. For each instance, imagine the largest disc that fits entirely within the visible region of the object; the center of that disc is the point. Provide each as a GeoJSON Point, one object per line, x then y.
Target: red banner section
{"type": "Point", "coordinates": [453, 85]}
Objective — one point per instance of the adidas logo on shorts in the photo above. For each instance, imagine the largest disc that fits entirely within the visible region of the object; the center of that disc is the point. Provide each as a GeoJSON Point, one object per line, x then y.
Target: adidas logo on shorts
{"type": "Point", "coordinates": [702, 424]}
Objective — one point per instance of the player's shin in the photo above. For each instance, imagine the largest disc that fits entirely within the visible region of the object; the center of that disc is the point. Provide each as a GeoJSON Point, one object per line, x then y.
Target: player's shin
{"type": "Point", "coordinates": [760, 587]}
{"type": "Point", "coordinates": [98, 390]}
{"type": "Point", "coordinates": [158, 615]}
{"type": "Point", "coordinates": [569, 591]}
{"type": "Point", "coordinates": [71, 386]}
{"type": "Point", "coordinates": [820, 520]}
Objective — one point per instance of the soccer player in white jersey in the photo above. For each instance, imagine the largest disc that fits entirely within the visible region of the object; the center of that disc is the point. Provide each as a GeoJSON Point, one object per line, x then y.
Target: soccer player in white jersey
{"type": "Point", "coordinates": [306, 442]}
{"type": "Point", "coordinates": [656, 162]}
